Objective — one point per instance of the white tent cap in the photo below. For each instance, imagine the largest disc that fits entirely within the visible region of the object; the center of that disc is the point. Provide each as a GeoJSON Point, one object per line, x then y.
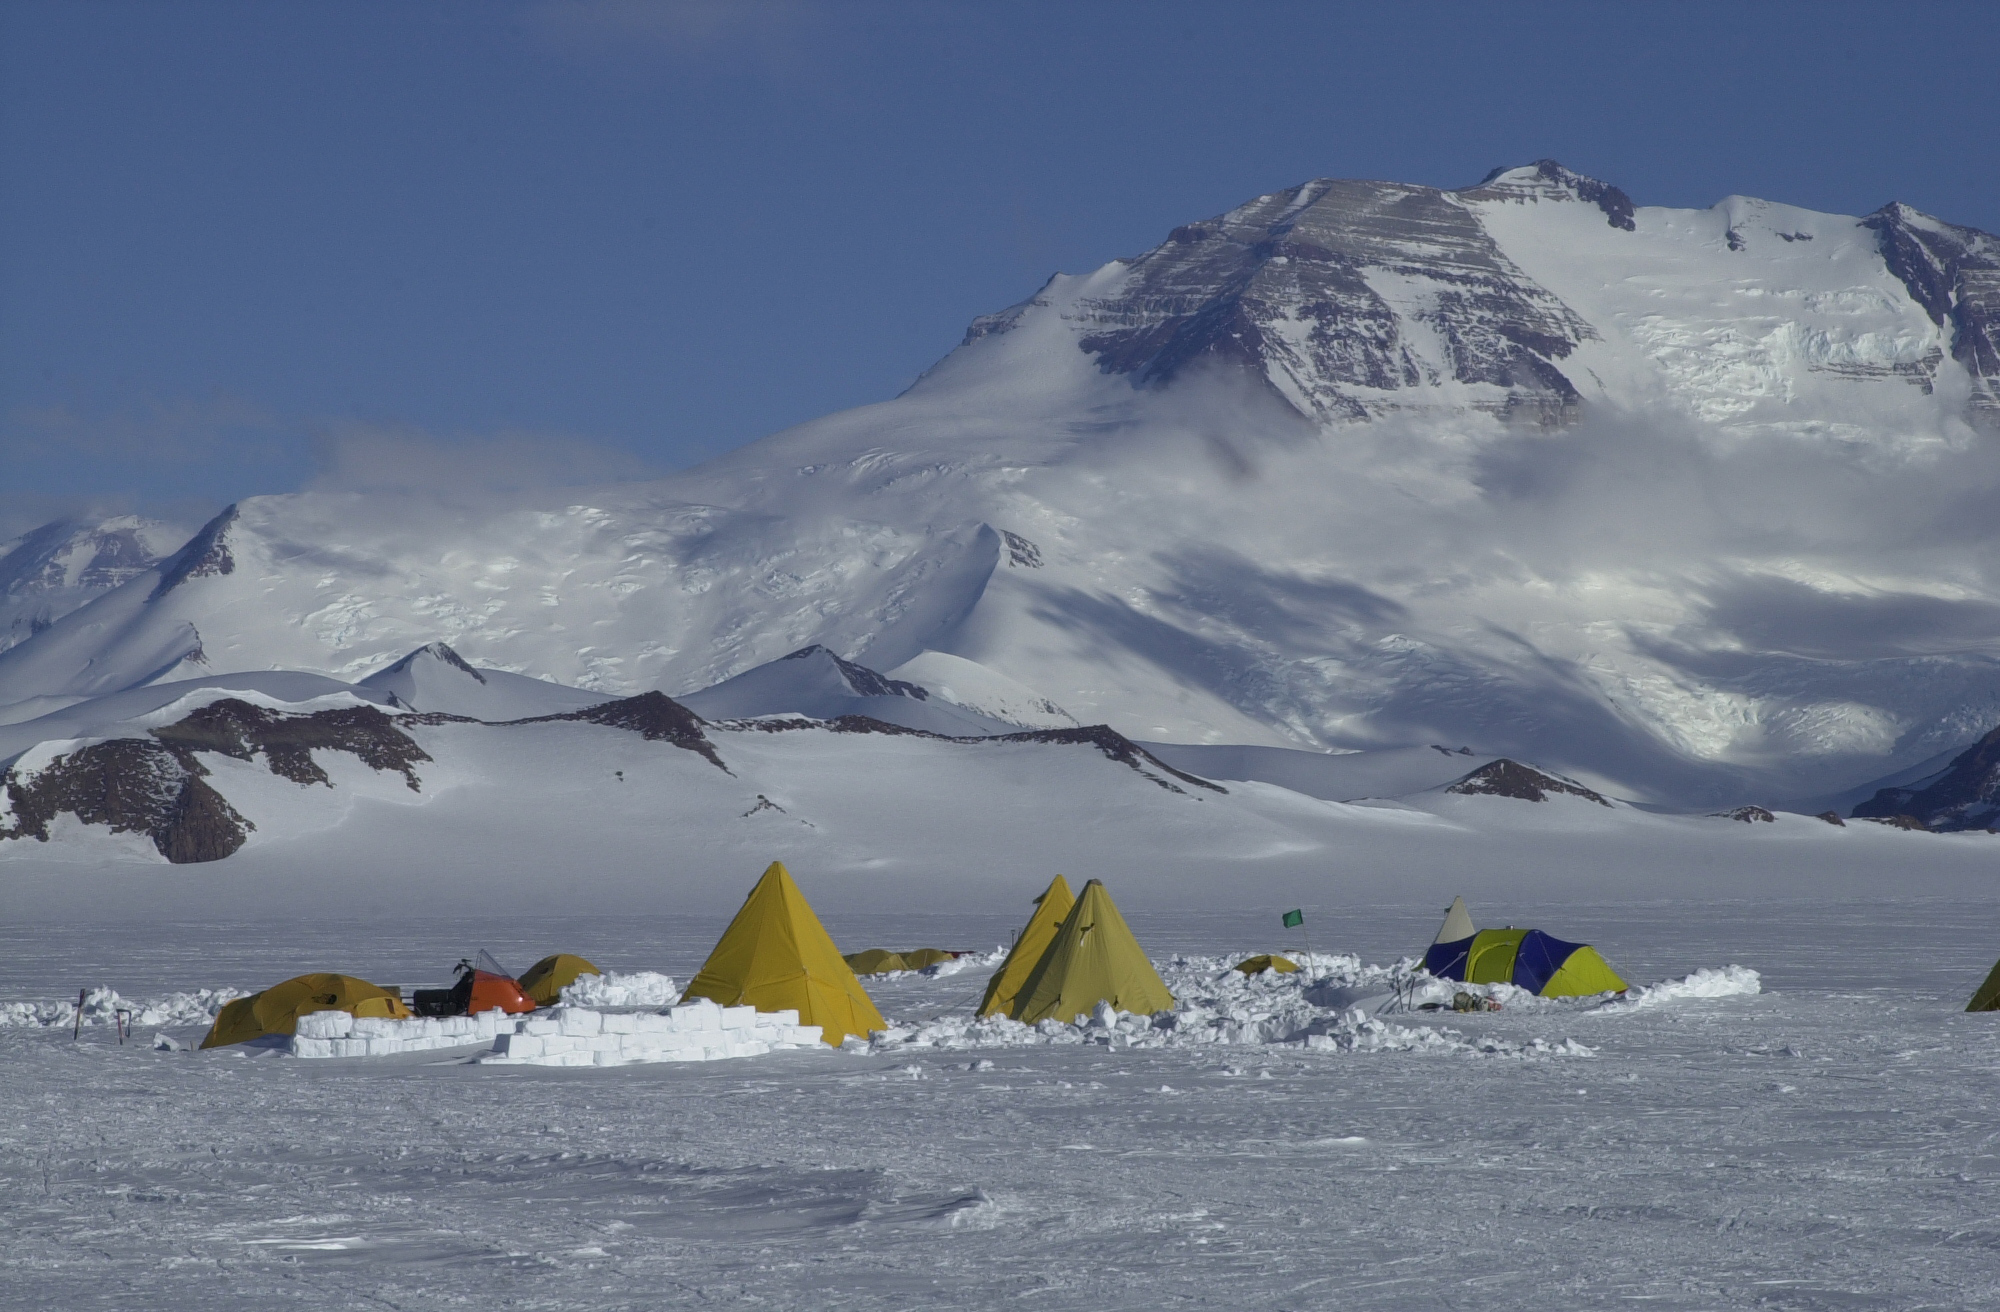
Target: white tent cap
{"type": "Point", "coordinates": [1457, 923]}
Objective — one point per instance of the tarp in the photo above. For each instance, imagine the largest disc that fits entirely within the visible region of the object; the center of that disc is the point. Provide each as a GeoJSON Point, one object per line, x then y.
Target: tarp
{"type": "Point", "coordinates": [1988, 996]}
{"type": "Point", "coordinates": [1258, 965]}
{"type": "Point", "coordinates": [776, 956]}
{"type": "Point", "coordinates": [1093, 959]}
{"type": "Point", "coordinates": [1029, 947]}
{"type": "Point", "coordinates": [277, 1009]}
{"type": "Point", "coordinates": [1525, 958]}
{"type": "Point", "coordinates": [544, 981]}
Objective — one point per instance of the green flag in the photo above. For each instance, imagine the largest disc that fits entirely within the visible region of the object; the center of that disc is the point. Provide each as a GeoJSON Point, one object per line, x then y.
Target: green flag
{"type": "Point", "coordinates": [1293, 919]}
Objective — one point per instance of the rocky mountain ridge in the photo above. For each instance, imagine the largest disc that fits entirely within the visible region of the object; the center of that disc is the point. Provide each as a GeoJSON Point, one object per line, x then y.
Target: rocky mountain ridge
{"type": "Point", "coordinates": [1689, 505]}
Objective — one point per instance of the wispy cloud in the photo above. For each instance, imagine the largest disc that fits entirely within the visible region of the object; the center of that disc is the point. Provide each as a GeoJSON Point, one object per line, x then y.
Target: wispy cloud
{"type": "Point", "coordinates": [359, 457]}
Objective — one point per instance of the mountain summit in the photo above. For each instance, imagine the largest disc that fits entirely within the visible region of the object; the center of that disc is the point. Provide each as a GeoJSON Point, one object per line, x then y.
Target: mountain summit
{"type": "Point", "coordinates": [1689, 505]}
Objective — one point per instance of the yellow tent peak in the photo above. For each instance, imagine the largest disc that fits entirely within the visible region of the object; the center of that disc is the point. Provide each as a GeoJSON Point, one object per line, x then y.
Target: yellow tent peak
{"type": "Point", "coordinates": [1033, 940]}
{"type": "Point", "coordinates": [776, 956]}
{"type": "Point", "coordinates": [1093, 959]}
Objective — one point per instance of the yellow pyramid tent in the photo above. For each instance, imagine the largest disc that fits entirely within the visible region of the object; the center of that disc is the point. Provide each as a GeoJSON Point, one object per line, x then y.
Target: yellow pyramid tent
{"type": "Point", "coordinates": [776, 956]}
{"type": "Point", "coordinates": [277, 1009]}
{"type": "Point", "coordinates": [1988, 996]}
{"type": "Point", "coordinates": [544, 981]}
{"type": "Point", "coordinates": [1268, 961]}
{"type": "Point", "coordinates": [1093, 959]}
{"type": "Point", "coordinates": [1026, 954]}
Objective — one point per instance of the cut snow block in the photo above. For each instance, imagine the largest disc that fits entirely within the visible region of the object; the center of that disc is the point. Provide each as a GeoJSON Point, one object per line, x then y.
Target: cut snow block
{"type": "Point", "coordinates": [695, 1032]}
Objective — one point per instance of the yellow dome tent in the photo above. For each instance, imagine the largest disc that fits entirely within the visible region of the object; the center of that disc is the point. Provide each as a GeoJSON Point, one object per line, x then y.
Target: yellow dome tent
{"type": "Point", "coordinates": [919, 958]}
{"type": "Point", "coordinates": [544, 981]}
{"type": "Point", "coordinates": [277, 1009]}
{"type": "Point", "coordinates": [1268, 961]}
{"type": "Point", "coordinates": [776, 956]}
{"type": "Point", "coordinates": [875, 961]}
{"type": "Point", "coordinates": [1029, 947]}
{"type": "Point", "coordinates": [1093, 959]}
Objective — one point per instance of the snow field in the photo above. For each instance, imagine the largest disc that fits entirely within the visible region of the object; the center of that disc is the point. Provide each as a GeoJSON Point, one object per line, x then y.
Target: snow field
{"type": "Point", "coordinates": [1820, 1143]}
{"type": "Point", "coordinates": [695, 1031]}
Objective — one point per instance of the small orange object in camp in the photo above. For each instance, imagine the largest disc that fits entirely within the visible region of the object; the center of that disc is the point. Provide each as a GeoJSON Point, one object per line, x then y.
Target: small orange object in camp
{"type": "Point", "coordinates": [490, 991]}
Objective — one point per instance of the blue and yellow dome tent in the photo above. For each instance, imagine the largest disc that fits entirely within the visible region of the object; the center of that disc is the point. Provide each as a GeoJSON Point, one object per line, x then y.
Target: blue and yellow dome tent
{"type": "Point", "coordinates": [1526, 958]}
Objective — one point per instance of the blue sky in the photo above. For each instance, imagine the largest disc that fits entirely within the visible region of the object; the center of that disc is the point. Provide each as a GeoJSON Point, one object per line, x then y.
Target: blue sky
{"type": "Point", "coordinates": [251, 247]}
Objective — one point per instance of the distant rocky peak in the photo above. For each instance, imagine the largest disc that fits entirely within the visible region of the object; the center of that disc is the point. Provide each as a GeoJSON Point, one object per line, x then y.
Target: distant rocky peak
{"type": "Point", "coordinates": [861, 680]}
{"type": "Point", "coordinates": [1545, 179]}
{"type": "Point", "coordinates": [1954, 273]}
{"type": "Point", "coordinates": [441, 653]}
{"type": "Point", "coordinates": [206, 553]}
{"type": "Point", "coordinates": [1965, 795]}
{"type": "Point", "coordinates": [1350, 299]}
{"type": "Point", "coordinates": [1505, 778]}
{"type": "Point", "coordinates": [80, 555]}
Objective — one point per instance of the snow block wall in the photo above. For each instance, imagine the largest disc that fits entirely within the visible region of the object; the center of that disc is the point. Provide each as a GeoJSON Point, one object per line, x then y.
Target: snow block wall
{"type": "Point", "coordinates": [698, 1031]}
{"type": "Point", "coordinates": [565, 1036]}
{"type": "Point", "coordinates": [337, 1034]}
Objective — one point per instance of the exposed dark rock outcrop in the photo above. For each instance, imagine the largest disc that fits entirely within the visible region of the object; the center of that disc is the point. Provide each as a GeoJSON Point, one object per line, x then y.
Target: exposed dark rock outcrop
{"type": "Point", "coordinates": [1747, 814]}
{"type": "Point", "coordinates": [441, 651]}
{"type": "Point", "coordinates": [206, 553]}
{"type": "Point", "coordinates": [131, 785]}
{"type": "Point", "coordinates": [1021, 551]}
{"type": "Point", "coordinates": [239, 729]}
{"type": "Point", "coordinates": [1284, 287]}
{"type": "Point", "coordinates": [158, 786]}
{"type": "Point", "coordinates": [1546, 175]}
{"type": "Point", "coordinates": [1897, 822]}
{"type": "Point", "coordinates": [864, 681]}
{"type": "Point", "coordinates": [1965, 796]}
{"type": "Point", "coordinates": [1103, 737]}
{"type": "Point", "coordinates": [1832, 818]}
{"type": "Point", "coordinates": [1116, 746]}
{"type": "Point", "coordinates": [1954, 273]}
{"type": "Point", "coordinates": [654, 716]}
{"type": "Point", "coordinates": [1505, 778]}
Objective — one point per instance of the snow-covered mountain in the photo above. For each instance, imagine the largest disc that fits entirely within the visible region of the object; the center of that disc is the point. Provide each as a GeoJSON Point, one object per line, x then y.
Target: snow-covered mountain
{"type": "Point", "coordinates": [49, 572]}
{"type": "Point", "coordinates": [1693, 505]}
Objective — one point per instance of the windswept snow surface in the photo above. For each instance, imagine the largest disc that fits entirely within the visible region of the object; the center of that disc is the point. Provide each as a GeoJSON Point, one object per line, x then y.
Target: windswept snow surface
{"type": "Point", "coordinates": [1818, 1143]}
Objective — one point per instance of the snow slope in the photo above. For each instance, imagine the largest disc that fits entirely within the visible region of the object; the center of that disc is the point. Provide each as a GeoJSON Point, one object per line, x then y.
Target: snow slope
{"type": "Point", "coordinates": [815, 683]}
{"type": "Point", "coordinates": [436, 678]}
{"type": "Point", "coordinates": [50, 571]}
{"type": "Point", "coordinates": [1690, 504]}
